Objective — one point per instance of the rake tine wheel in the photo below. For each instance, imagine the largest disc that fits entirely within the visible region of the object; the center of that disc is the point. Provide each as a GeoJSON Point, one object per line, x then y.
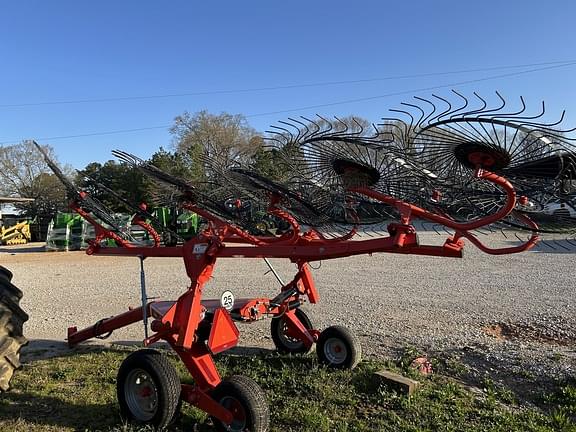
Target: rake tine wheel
{"type": "Point", "coordinates": [88, 204]}
{"type": "Point", "coordinates": [338, 156]}
{"type": "Point", "coordinates": [138, 210]}
{"type": "Point", "coordinates": [453, 139]}
{"type": "Point", "coordinates": [183, 191]}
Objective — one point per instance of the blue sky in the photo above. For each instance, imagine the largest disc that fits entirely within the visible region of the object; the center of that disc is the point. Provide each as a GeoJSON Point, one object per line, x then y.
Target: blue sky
{"type": "Point", "coordinates": [72, 50]}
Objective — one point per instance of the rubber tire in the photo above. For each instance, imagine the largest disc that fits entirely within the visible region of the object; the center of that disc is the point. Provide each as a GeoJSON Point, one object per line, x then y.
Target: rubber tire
{"type": "Point", "coordinates": [5, 273]}
{"type": "Point", "coordinates": [353, 347]}
{"type": "Point", "coordinates": [250, 396]}
{"type": "Point", "coordinates": [169, 239]}
{"type": "Point", "coordinates": [167, 383]}
{"type": "Point", "coordinates": [12, 319]}
{"type": "Point", "coordinates": [275, 328]}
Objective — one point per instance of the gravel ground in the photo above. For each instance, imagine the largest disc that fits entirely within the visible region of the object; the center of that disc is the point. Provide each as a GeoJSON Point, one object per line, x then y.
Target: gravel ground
{"type": "Point", "coordinates": [510, 315]}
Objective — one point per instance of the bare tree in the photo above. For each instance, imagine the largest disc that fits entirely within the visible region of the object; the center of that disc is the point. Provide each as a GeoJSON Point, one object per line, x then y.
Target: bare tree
{"type": "Point", "coordinates": [23, 173]}
{"type": "Point", "coordinates": [224, 137]}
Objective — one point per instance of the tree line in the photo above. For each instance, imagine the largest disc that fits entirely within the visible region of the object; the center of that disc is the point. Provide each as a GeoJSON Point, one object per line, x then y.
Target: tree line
{"type": "Point", "coordinates": [222, 138]}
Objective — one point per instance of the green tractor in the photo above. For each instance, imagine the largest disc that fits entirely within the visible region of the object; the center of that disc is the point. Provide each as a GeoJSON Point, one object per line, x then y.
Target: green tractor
{"type": "Point", "coordinates": [183, 223]}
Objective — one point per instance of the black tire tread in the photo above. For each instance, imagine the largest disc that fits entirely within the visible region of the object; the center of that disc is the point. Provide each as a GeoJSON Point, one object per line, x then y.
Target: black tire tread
{"type": "Point", "coordinates": [12, 319]}
{"type": "Point", "coordinates": [253, 397]}
{"type": "Point", "coordinates": [352, 342]}
{"type": "Point", "coordinates": [167, 381]}
{"type": "Point", "coordinates": [5, 273]}
{"type": "Point", "coordinates": [275, 325]}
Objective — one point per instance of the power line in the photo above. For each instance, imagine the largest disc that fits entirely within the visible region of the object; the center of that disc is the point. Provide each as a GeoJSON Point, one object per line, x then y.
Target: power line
{"type": "Point", "coordinates": [404, 92]}
{"type": "Point", "coordinates": [89, 134]}
{"type": "Point", "coordinates": [279, 87]}
{"type": "Point", "coordinates": [456, 84]}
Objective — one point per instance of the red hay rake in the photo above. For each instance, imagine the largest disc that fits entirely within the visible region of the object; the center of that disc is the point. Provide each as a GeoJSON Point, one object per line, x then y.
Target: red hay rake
{"type": "Point", "coordinates": [337, 173]}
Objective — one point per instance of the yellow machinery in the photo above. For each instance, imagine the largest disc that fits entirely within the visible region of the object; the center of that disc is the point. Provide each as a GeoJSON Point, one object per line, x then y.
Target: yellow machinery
{"type": "Point", "coordinates": [16, 234]}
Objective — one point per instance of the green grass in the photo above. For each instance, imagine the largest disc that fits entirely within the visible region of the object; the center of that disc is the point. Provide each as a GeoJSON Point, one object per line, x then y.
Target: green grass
{"type": "Point", "coordinates": [77, 393]}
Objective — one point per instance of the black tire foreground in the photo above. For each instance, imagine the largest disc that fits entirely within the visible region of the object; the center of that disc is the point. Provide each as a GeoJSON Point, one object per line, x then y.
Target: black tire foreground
{"type": "Point", "coordinates": [338, 348]}
{"type": "Point", "coordinates": [246, 400]}
{"type": "Point", "coordinates": [148, 389]}
{"type": "Point", "coordinates": [12, 319]}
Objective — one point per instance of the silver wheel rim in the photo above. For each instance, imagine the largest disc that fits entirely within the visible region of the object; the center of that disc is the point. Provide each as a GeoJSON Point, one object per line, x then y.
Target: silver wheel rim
{"type": "Point", "coordinates": [141, 395]}
{"type": "Point", "coordinates": [335, 351]}
{"type": "Point", "coordinates": [232, 404]}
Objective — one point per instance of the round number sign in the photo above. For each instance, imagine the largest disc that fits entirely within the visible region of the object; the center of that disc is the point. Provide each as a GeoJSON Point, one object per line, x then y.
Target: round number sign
{"type": "Point", "coordinates": [227, 300]}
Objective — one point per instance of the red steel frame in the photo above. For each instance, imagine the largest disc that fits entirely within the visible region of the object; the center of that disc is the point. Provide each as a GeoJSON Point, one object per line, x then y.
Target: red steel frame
{"type": "Point", "coordinates": [180, 323]}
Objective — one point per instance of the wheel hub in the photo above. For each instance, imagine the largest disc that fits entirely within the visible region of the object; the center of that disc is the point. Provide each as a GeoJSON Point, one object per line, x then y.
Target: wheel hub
{"type": "Point", "coordinates": [141, 395]}
{"type": "Point", "coordinates": [235, 407]}
{"type": "Point", "coordinates": [335, 351]}
{"type": "Point", "coordinates": [479, 155]}
{"type": "Point", "coordinates": [289, 337]}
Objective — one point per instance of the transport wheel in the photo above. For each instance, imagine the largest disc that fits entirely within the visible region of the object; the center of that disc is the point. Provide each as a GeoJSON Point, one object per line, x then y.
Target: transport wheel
{"type": "Point", "coordinates": [284, 343]}
{"type": "Point", "coordinates": [12, 319]}
{"type": "Point", "coordinates": [148, 389]}
{"type": "Point", "coordinates": [169, 239]}
{"type": "Point", "coordinates": [246, 400]}
{"type": "Point", "coordinates": [338, 348]}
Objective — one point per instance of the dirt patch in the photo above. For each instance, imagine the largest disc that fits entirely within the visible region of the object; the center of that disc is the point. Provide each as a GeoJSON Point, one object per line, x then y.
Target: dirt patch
{"type": "Point", "coordinates": [530, 333]}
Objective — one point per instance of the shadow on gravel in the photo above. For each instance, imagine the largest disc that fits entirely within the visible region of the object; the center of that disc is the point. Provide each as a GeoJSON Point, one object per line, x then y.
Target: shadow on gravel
{"type": "Point", "coordinates": [42, 349]}
{"type": "Point", "coordinates": [508, 379]}
{"type": "Point", "coordinates": [556, 247]}
{"type": "Point", "coordinates": [494, 377]}
{"type": "Point", "coordinates": [22, 249]}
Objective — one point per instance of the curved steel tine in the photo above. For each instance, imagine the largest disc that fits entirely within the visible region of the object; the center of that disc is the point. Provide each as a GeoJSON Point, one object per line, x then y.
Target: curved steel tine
{"type": "Point", "coordinates": [546, 126]}
{"type": "Point", "coordinates": [455, 113]}
{"type": "Point", "coordinates": [275, 142]}
{"type": "Point", "coordinates": [290, 137]}
{"type": "Point", "coordinates": [416, 123]}
{"type": "Point", "coordinates": [361, 128]}
{"type": "Point", "coordinates": [378, 134]}
{"type": "Point", "coordinates": [404, 112]}
{"type": "Point", "coordinates": [520, 238]}
{"type": "Point", "coordinates": [440, 116]}
{"type": "Point", "coordinates": [429, 114]}
{"type": "Point", "coordinates": [328, 125]}
{"type": "Point", "coordinates": [516, 115]}
{"type": "Point", "coordinates": [477, 110]}
{"type": "Point", "coordinates": [345, 126]}
{"type": "Point", "coordinates": [486, 112]}
{"type": "Point", "coordinates": [503, 104]}
{"type": "Point", "coordinates": [395, 124]}
{"type": "Point", "coordinates": [72, 191]}
{"type": "Point", "coordinates": [292, 125]}
{"type": "Point", "coordinates": [407, 128]}
{"type": "Point", "coordinates": [313, 122]}
{"type": "Point", "coordinates": [304, 132]}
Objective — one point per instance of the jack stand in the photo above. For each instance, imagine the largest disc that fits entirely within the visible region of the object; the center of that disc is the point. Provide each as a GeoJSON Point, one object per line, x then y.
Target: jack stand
{"type": "Point", "coordinates": [144, 296]}
{"type": "Point", "coordinates": [276, 275]}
